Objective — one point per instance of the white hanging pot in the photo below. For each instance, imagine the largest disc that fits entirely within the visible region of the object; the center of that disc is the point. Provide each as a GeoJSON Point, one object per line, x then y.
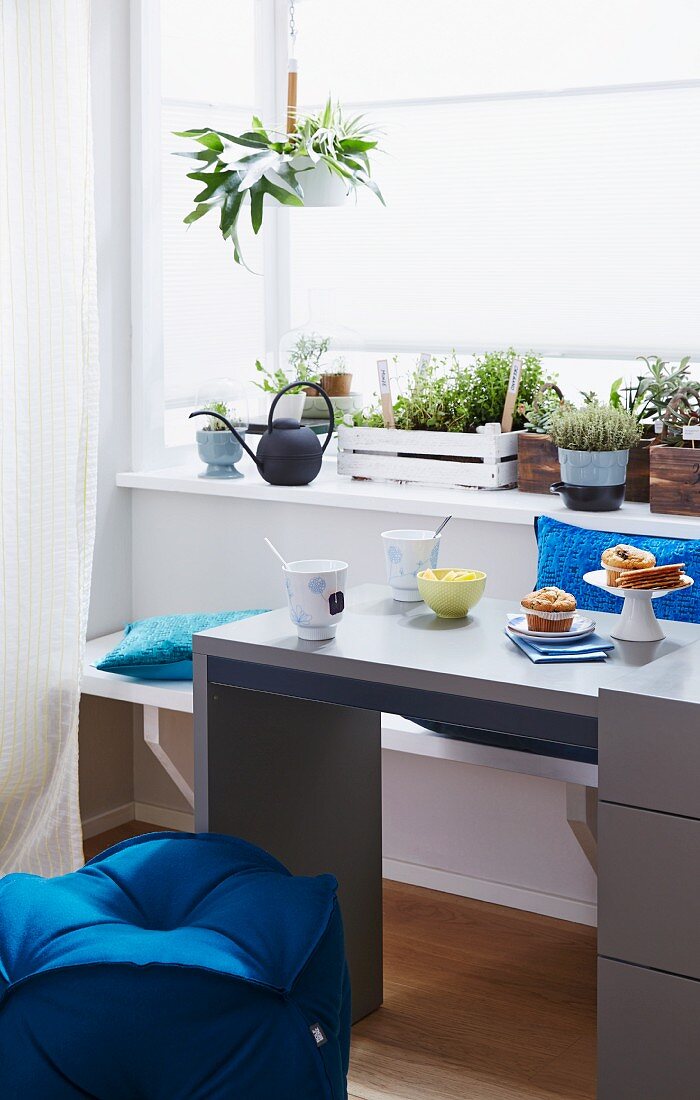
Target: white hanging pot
{"type": "Point", "coordinates": [320, 185]}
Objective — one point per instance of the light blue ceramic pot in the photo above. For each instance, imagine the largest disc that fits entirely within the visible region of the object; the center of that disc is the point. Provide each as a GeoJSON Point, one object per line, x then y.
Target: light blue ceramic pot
{"type": "Point", "coordinates": [593, 467]}
{"type": "Point", "coordinates": [220, 451]}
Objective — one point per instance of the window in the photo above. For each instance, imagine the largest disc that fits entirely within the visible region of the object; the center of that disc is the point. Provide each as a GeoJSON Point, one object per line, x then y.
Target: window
{"type": "Point", "coordinates": [540, 174]}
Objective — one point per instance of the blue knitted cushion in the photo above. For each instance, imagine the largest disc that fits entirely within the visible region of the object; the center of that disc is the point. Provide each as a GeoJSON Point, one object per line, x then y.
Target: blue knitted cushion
{"type": "Point", "coordinates": [566, 553]}
{"type": "Point", "coordinates": [173, 967]}
{"type": "Point", "coordinates": [161, 648]}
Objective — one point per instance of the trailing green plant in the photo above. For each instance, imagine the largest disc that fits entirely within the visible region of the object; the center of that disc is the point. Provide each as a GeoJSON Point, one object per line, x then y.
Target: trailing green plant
{"type": "Point", "coordinates": [233, 168]}
{"type": "Point", "coordinates": [594, 427]}
{"type": "Point", "coordinates": [445, 396]}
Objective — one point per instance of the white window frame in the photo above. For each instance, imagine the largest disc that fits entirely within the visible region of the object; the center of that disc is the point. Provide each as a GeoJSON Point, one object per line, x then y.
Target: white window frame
{"type": "Point", "coordinates": [149, 450]}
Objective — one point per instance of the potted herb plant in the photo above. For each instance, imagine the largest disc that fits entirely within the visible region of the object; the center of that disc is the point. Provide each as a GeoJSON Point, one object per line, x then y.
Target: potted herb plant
{"type": "Point", "coordinates": [337, 379]}
{"type": "Point", "coordinates": [538, 458]}
{"type": "Point", "coordinates": [675, 463]}
{"type": "Point", "coordinates": [217, 448]}
{"type": "Point", "coordinates": [304, 365]}
{"type": "Point", "coordinates": [319, 164]}
{"type": "Point", "coordinates": [441, 417]}
{"type": "Point", "coordinates": [593, 444]}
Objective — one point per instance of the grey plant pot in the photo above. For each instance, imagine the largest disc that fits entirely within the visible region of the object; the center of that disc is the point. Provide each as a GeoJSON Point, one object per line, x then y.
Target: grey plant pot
{"type": "Point", "coordinates": [593, 467]}
{"type": "Point", "coordinates": [220, 451]}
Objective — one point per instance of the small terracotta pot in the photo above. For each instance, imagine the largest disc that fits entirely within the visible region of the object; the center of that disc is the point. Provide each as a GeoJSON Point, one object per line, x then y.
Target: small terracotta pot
{"type": "Point", "coordinates": [336, 385]}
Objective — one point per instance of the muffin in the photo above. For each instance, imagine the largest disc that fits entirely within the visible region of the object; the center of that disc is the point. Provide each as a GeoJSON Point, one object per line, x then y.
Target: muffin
{"type": "Point", "coordinates": [622, 558]}
{"type": "Point", "coordinates": [550, 610]}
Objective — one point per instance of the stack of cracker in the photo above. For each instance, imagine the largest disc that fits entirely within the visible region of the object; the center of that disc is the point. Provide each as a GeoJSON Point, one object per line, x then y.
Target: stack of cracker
{"type": "Point", "coordinates": [660, 576]}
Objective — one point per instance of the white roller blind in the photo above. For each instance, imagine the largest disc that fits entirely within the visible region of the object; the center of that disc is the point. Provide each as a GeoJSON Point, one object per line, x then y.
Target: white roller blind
{"type": "Point", "coordinates": [564, 222]}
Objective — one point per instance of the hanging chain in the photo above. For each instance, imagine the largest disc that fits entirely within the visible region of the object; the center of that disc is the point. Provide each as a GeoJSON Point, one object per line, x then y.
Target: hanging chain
{"type": "Point", "coordinates": [292, 25]}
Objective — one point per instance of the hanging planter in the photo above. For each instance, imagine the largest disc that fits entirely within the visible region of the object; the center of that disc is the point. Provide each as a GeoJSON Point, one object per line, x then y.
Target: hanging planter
{"type": "Point", "coordinates": [319, 164]}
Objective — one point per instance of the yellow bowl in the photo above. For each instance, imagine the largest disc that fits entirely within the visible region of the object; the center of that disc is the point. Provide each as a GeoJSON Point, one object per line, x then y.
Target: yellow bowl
{"type": "Point", "coordinates": [451, 599]}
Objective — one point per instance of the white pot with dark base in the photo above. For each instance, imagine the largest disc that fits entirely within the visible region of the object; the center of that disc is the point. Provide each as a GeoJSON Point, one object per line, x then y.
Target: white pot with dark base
{"type": "Point", "coordinates": [592, 481]}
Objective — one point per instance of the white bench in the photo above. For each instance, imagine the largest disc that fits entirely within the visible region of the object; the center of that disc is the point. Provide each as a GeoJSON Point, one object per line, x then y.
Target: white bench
{"type": "Point", "coordinates": [398, 734]}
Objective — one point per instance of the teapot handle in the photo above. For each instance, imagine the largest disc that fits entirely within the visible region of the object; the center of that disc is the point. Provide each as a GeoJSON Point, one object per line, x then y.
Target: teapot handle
{"type": "Point", "coordinates": [322, 393]}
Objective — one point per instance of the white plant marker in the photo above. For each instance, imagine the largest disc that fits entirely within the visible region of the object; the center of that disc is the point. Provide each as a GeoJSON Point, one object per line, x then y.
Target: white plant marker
{"type": "Point", "coordinates": [385, 393]}
{"type": "Point", "coordinates": [511, 395]}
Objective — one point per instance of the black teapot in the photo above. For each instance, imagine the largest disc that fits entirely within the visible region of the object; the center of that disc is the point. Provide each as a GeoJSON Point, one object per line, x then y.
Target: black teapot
{"type": "Point", "coordinates": [288, 454]}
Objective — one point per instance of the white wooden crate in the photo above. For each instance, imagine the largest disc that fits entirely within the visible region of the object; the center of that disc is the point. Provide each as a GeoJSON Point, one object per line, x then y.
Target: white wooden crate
{"type": "Point", "coordinates": [467, 460]}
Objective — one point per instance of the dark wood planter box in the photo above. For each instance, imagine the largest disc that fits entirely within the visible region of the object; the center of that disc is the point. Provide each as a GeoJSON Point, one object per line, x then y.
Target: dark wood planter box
{"type": "Point", "coordinates": [675, 480]}
{"type": "Point", "coordinates": [538, 467]}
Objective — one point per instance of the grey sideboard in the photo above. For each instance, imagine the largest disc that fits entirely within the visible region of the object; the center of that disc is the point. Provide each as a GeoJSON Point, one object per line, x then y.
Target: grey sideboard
{"type": "Point", "coordinates": [649, 882]}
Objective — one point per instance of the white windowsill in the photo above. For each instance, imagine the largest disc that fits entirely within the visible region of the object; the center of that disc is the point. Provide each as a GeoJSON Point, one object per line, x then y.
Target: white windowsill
{"type": "Point", "coordinates": [332, 491]}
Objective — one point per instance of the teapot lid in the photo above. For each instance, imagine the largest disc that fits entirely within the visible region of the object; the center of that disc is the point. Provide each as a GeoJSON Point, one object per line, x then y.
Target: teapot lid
{"type": "Point", "coordinates": [285, 423]}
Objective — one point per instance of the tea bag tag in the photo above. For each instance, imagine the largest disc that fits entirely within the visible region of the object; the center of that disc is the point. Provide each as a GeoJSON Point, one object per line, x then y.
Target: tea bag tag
{"type": "Point", "coordinates": [385, 393]}
{"type": "Point", "coordinates": [336, 603]}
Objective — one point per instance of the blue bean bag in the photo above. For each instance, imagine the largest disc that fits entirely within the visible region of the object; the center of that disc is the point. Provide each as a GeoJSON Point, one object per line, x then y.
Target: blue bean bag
{"type": "Point", "coordinates": [173, 967]}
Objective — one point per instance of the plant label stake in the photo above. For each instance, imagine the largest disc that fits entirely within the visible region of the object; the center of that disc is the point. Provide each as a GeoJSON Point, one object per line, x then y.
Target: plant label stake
{"type": "Point", "coordinates": [691, 432]}
{"type": "Point", "coordinates": [511, 395]}
{"type": "Point", "coordinates": [423, 361]}
{"type": "Point", "coordinates": [385, 393]}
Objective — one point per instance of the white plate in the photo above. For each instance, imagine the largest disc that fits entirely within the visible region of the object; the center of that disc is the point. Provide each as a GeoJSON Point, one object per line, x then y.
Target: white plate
{"type": "Point", "coordinates": [580, 627]}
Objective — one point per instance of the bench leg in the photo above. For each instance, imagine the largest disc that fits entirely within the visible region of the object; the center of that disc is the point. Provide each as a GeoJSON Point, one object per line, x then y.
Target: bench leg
{"type": "Point", "coordinates": [151, 735]}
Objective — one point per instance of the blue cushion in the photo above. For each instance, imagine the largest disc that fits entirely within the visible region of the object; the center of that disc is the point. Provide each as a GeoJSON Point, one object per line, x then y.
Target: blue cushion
{"type": "Point", "coordinates": [567, 552]}
{"type": "Point", "coordinates": [161, 648]}
{"type": "Point", "coordinates": [173, 967]}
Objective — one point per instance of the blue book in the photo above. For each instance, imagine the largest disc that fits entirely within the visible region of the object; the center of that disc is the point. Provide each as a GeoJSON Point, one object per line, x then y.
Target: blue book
{"type": "Point", "coordinates": [560, 657]}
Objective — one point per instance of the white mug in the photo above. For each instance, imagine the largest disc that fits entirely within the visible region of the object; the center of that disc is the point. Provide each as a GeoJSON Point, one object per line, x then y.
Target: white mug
{"type": "Point", "coordinates": [316, 595]}
{"type": "Point", "coordinates": [407, 553]}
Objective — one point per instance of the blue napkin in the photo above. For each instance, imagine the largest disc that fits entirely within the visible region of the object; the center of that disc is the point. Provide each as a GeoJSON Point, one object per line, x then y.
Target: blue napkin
{"type": "Point", "coordinates": [561, 656]}
{"type": "Point", "coordinates": [590, 644]}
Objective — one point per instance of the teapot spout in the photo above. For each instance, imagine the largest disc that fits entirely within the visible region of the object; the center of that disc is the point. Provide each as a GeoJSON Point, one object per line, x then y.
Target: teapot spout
{"type": "Point", "coordinates": [218, 416]}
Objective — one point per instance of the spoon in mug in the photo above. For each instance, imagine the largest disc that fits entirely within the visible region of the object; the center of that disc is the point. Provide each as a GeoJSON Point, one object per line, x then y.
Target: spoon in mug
{"type": "Point", "coordinates": [276, 553]}
{"type": "Point", "coordinates": [443, 524]}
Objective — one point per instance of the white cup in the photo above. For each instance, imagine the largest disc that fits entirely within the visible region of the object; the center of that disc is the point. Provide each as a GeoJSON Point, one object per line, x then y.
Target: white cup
{"type": "Point", "coordinates": [316, 595]}
{"type": "Point", "coordinates": [407, 553]}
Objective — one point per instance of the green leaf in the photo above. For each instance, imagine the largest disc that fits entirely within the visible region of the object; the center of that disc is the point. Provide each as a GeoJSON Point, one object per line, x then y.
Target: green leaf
{"type": "Point", "coordinates": [279, 193]}
{"type": "Point", "coordinates": [288, 174]}
{"type": "Point", "coordinates": [257, 195]}
{"type": "Point", "coordinates": [369, 183]}
{"type": "Point", "coordinates": [356, 145]}
{"type": "Point", "coordinates": [197, 213]}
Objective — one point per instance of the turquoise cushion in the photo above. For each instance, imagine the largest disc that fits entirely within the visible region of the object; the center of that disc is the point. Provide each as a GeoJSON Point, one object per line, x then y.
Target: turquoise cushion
{"type": "Point", "coordinates": [567, 552]}
{"type": "Point", "coordinates": [161, 648]}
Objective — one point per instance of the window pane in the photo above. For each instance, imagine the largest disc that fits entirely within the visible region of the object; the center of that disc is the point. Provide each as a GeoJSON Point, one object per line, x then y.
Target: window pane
{"type": "Point", "coordinates": [405, 49]}
{"type": "Point", "coordinates": [207, 50]}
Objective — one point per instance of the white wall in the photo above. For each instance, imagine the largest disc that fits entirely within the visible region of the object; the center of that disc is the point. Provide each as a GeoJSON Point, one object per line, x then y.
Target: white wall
{"type": "Point", "coordinates": [163, 552]}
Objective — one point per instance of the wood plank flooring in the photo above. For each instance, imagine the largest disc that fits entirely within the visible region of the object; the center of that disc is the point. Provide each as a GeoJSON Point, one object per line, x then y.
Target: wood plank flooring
{"type": "Point", "coordinates": [481, 1002]}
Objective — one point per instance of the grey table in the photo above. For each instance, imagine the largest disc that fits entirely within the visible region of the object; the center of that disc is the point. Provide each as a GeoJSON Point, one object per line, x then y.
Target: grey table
{"type": "Point", "coordinates": [288, 735]}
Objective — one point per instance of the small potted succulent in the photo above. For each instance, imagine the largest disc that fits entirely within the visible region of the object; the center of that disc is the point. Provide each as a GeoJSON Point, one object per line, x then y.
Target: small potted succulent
{"type": "Point", "coordinates": [217, 448]}
{"type": "Point", "coordinates": [593, 444]}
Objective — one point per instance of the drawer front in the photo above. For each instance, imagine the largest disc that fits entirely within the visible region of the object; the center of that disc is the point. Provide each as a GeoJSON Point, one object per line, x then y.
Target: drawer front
{"type": "Point", "coordinates": [649, 889]}
{"type": "Point", "coordinates": [647, 1034]}
{"type": "Point", "coordinates": [649, 753]}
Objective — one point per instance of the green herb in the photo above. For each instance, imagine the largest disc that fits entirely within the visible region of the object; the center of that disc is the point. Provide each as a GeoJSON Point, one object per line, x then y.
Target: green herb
{"type": "Point", "coordinates": [594, 428]}
{"type": "Point", "coordinates": [305, 357]}
{"type": "Point", "coordinates": [444, 396]}
{"type": "Point", "coordinates": [214, 425]}
{"type": "Point", "coordinates": [233, 168]}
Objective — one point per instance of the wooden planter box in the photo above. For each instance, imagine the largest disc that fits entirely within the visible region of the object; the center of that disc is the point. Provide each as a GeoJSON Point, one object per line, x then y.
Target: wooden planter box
{"type": "Point", "coordinates": [675, 480]}
{"type": "Point", "coordinates": [457, 459]}
{"type": "Point", "coordinates": [538, 467]}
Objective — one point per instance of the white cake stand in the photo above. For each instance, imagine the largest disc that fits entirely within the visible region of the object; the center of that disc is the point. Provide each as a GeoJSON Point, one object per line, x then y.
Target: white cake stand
{"type": "Point", "coordinates": [637, 622]}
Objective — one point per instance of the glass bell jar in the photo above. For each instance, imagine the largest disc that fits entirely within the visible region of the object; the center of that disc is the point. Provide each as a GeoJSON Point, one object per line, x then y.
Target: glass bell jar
{"type": "Point", "coordinates": [218, 449]}
{"type": "Point", "coordinates": [323, 350]}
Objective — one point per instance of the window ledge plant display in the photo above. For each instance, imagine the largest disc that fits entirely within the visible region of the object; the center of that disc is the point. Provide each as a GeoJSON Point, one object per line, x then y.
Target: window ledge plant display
{"type": "Point", "coordinates": [307, 362]}
{"type": "Point", "coordinates": [593, 444]}
{"type": "Point", "coordinates": [440, 417]}
{"type": "Point", "coordinates": [324, 159]}
{"type": "Point", "coordinates": [647, 398]}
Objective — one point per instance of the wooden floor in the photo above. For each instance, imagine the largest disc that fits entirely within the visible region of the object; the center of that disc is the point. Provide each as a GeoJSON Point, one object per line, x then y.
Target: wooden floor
{"type": "Point", "coordinates": [481, 1002]}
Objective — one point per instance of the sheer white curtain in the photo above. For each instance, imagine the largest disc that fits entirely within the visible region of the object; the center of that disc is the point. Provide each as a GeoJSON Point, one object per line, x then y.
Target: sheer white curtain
{"type": "Point", "coordinates": [48, 424]}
